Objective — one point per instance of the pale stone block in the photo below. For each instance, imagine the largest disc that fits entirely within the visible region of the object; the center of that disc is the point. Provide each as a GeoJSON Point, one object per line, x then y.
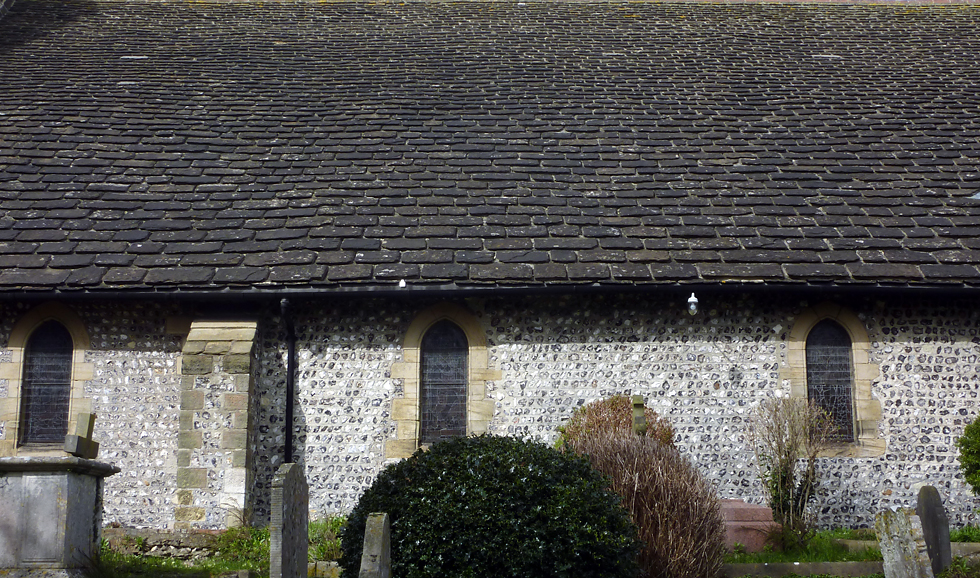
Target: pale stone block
{"type": "Point", "coordinates": [80, 405]}
{"type": "Point", "coordinates": [185, 420]}
{"type": "Point", "coordinates": [184, 458]}
{"type": "Point", "coordinates": [190, 440]}
{"type": "Point", "coordinates": [193, 347]}
{"type": "Point", "coordinates": [8, 408]}
{"type": "Point", "coordinates": [10, 371]}
{"type": "Point", "coordinates": [217, 347]}
{"type": "Point", "coordinates": [479, 357]}
{"type": "Point", "coordinates": [404, 409]}
{"type": "Point", "coordinates": [482, 410]}
{"type": "Point", "coordinates": [869, 409]}
{"type": "Point", "coordinates": [7, 448]}
{"type": "Point", "coordinates": [234, 401]}
{"type": "Point", "coordinates": [234, 481]}
{"type": "Point", "coordinates": [396, 449]}
{"type": "Point", "coordinates": [83, 372]}
{"type": "Point", "coordinates": [222, 331]}
{"type": "Point", "coordinates": [403, 371]}
{"type": "Point", "coordinates": [243, 382]}
{"type": "Point", "coordinates": [188, 382]}
{"type": "Point", "coordinates": [189, 514]}
{"type": "Point", "coordinates": [197, 364]}
{"type": "Point", "coordinates": [185, 497]}
{"type": "Point", "coordinates": [192, 399]}
{"type": "Point", "coordinates": [234, 439]}
{"type": "Point", "coordinates": [410, 356]}
{"type": "Point", "coordinates": [192, 478]}
{"type": "Point", "coordinates": [239, 420]}
{"type": "Point", "coordinates": [236, 363]}
{"type": "Point", "coordinates": [241, 347]}
{"type": "Point", "coordinates": [866, 372]}
{"type": "Point", "coordinates": [407, 429]}
{"type": "Point", "coordinates": [239, 458]}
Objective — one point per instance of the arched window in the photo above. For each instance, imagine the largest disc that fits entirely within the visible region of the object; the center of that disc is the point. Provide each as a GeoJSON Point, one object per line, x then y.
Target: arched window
{"type": "Point", "coordinates": [442, 384]}
{"type": "Point", "coordinates": [830, 375]}
{"type": "Point", "coordinates": [46, 386]}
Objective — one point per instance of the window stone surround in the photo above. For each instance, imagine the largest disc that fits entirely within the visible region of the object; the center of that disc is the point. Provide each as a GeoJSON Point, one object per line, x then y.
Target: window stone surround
{"type": "Point", "coordinates": [866, 409]}
{"type": "Point", "coordinates": [405, 410]}
{"type": "Point", "coordinates": [12, 370]}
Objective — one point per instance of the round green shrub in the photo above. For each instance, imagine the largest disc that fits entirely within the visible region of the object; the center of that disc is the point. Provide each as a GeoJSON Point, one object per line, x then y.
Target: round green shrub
{"type": "Point", "coordinates": [969, 446]}
{"type": "Point", "coordinates": [613, 415]}
{"type": "Point", "coordinates": [496, 506]}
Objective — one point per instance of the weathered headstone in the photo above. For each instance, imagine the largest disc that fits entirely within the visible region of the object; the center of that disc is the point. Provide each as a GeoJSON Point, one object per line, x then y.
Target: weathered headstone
{"type": "Point", "coordinates": [903, 546]}
{"type": "Point", "coordinates": [289, 527]}
{"type": "Point", "coordinates": [376, 558]}
{"type": "Point", "coordinates": [639, 416]}
{"type": "Point", "coordinates": [81, 443]}
{"type": "Point", "coordinates": [935, 528]}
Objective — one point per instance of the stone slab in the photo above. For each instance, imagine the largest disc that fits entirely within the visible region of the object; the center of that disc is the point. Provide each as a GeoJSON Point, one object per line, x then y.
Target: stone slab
{"type": "Point", "coordinates": [52, 511]}
{"type": "Point", "coordinates": [376, 558]}
{"type": "Point", "coordinates": [289, 528]}
{"type": "Point", "coordinates": [746, 524]}
{"type": "Point", "coordinates": [935, 528]}
{"type": "Point", "coordinates": [903, 545]}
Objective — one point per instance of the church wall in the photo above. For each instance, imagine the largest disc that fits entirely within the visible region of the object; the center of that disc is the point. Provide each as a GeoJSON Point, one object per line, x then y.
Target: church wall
{"type": "Point", "coordinates": [135, 394]}
{"type": "Point", "coordinates": [704, 373]}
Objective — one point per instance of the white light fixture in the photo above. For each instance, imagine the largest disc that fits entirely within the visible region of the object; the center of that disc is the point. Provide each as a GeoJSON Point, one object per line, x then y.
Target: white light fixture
{"type": "Point", "coordinates": [692, 305]}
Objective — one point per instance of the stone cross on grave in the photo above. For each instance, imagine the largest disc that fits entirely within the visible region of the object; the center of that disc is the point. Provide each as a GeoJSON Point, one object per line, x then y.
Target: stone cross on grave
{"type": "Point", "coordinates": [639, 417]}
{"type": "Point", "coordinates": [80, 444]}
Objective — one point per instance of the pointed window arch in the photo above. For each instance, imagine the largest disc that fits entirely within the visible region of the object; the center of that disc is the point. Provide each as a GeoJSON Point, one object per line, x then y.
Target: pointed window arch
{"type": "Point", "coordinates": [828, 360]}
{"type": "Point", "coordinates": [444, 374]}
{"type": "Point", "coordinates": [46, 372]}
{"type": "Point", "coordinates": [442, 383]}
{"type": "Point", "coordinates": [46, 386]}
{"type": "Point", "coordinates": [830, 375]}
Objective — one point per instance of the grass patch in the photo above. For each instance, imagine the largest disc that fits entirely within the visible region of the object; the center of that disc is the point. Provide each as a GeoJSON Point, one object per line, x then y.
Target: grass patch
{"type": "Point", "coordinates": [964, 534]}
{"type": "Point", "coordinates": [325, 538]}
{"type": "Point", "coordinates": [241, 548]}
{"type": "Point", "coordinates": [821, 548]}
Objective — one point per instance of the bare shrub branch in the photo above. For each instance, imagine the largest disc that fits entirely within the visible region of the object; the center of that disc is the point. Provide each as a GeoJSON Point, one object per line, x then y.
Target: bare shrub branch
{"type": "Point", "coordinates": [675, 508]}
{"type": "Point", "coordinates": [787, 434]}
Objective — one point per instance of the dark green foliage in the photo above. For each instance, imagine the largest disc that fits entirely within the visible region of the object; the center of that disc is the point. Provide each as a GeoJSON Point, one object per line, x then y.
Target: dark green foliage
{"type": "Point", "coordinates": [969, 446]}
{"type": "Point", "coordinates": [494, 506]}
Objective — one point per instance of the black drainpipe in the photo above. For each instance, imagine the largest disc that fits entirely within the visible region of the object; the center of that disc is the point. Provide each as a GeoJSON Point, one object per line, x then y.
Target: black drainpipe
{"type": "Point", "coordinates": [290, 375]}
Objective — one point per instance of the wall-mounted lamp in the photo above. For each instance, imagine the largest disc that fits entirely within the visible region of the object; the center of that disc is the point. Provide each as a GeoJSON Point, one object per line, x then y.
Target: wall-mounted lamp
{"type": "Point", "coordinates": [692, 305]}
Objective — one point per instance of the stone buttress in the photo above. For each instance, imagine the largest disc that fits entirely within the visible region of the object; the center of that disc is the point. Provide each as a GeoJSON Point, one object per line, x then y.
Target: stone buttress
{"type": "Point", "coordinates": [216, 414]}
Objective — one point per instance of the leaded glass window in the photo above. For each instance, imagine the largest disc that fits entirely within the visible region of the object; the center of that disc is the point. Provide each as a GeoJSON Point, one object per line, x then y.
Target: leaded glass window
{"type": "Point", "coordinates": [46, 385]}
{"type": "Point", "coordinates": [443, 383]}
{"type": "Point", "coordinates": [829, 375]}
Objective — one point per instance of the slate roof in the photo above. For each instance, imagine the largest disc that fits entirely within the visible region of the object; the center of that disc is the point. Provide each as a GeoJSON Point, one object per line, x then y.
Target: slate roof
{"type": "Point", "coordinates": [261, 146]}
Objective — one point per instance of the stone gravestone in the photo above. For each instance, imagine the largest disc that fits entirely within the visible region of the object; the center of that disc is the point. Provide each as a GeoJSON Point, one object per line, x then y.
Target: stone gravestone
{"type": "Point", "coordinates": [376, 559]}
{"type": "Point", "coordinates": [903, 546]}
{"type": "Point", "coordinates": [289, 529]}
{"type": "Point", "coordinates": [935, 528]}
{"type": "Point", "coordinates": [81, 443]}
{"type": "Point", "coordinates": [639, 416]}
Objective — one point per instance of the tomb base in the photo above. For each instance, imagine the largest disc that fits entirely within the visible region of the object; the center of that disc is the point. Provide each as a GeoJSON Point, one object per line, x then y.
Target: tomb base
{"type": "Point", "coordinates": [51, 518]}
{"type": "Point", "coordinates": [746, 524]}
